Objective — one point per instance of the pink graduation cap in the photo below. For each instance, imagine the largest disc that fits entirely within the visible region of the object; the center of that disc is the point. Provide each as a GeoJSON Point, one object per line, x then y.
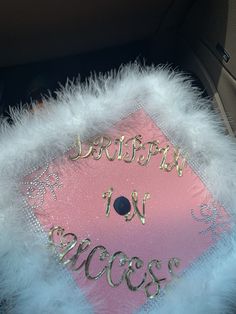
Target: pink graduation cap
{"type": "Point", "coordinates": [122, 199]}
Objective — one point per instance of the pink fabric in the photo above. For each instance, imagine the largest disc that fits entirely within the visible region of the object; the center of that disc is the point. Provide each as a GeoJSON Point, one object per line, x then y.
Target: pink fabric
{"type": "Point", "coordinates": [170, 229]}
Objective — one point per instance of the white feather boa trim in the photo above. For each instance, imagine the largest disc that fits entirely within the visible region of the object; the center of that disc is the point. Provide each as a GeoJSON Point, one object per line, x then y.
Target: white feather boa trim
{"type": "Point", "coordinates": [31, 281]}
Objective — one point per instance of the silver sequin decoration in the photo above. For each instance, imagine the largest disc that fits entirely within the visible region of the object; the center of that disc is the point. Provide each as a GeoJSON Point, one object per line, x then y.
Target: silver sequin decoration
{"type": "Point", "coordinates": [37, 187]}
{"type": "Point", "coordinates": [211, 215]}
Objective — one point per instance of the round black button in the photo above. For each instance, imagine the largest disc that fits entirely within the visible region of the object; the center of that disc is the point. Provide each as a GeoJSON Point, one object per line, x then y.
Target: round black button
{"type": "Point", "coordinates": [122, 205]}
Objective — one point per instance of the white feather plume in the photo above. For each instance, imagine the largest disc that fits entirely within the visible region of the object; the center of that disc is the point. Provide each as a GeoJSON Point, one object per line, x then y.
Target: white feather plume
{"type": "Point", "coordinates": [31, 280]}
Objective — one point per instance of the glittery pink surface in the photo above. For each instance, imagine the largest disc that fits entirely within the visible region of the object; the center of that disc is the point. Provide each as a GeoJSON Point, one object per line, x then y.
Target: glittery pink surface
{"type": "Point", "coordinates": [170, 229]}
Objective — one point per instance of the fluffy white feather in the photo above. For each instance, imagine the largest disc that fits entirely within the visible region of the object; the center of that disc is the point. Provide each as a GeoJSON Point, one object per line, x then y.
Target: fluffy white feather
{"type": "Point", "coordinates": [31, 279]}
{"type": "Point", "coordinates": [208, 286]}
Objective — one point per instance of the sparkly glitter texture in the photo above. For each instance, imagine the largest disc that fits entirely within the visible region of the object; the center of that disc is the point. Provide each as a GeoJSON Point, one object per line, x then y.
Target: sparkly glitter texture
{"type": "Point", "coordinates": [170, 230]}
{"type": "Point", "coordinates": [41, 181]}
{"type": "Point", "coordinates": [214, 217]}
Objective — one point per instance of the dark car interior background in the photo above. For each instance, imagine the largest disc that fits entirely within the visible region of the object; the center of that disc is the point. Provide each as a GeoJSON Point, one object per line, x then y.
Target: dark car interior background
{"type": "Point", "coordinates": [44, 43]}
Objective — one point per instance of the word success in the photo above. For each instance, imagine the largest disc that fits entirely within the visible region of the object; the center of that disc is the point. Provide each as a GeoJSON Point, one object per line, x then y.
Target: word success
{"type": "Point", "coordinates": [70, 251]}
